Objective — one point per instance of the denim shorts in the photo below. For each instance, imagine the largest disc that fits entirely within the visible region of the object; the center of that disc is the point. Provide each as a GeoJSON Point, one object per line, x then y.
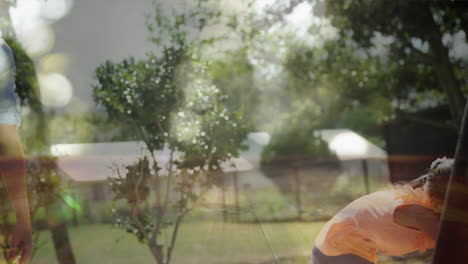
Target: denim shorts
{"type": "Point", "coordinates": [10, 116]}
{"type": "Point", "coordinates": [319, 258]}
{"type": "Point", "coordinates": [9, 113]}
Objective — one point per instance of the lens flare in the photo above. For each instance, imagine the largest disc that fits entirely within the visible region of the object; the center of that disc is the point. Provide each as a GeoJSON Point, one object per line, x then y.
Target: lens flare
{"type": "Point", "coordinates": [56, 90]}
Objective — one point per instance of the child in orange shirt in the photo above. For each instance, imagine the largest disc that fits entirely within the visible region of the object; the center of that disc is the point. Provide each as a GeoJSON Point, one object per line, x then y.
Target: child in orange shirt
{"type": "Point", "coordinates": [396, 221]}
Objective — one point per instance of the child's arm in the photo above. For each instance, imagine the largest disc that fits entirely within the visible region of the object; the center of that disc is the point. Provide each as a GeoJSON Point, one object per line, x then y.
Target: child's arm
{"type": "Point", "coordinates": [418, 217]}
{"type": "Point", "coordinates": [14, 178]}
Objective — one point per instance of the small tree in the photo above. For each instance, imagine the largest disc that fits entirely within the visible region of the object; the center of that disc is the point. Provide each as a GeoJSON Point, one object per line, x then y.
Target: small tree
{"type": "Point", "coordinates": [174, 108]}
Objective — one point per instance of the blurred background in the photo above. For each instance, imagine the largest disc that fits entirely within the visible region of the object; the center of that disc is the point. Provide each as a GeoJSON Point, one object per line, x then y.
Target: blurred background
{"type": "Point", "coordinates": [215, 131]}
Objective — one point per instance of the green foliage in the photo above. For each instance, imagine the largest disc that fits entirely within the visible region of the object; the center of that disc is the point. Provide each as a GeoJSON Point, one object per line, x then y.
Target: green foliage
{"type": "Point", "coordinates": [296, 137]}
{"type": "Point", "coordinates": [294, 144]}
{"type": "Point", "coordinates": [420, 60]}
{"type": "Point", "coordinates": [44, 181]}
{"type": "Point", "coordinates": [170, 102]}
{"type": "Point", "coordinates": [27, 87]}
{"type": "Point", "coordinates": [234, 75]}
{"type": "Point", "coordinates": [134, 186]}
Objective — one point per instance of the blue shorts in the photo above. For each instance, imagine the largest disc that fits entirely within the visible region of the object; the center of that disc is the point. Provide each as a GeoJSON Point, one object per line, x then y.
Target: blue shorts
{"type": "Point", "coordinates": [319, 258]}
{"type": "Point", "coordinates": [10, 116]}
{"type": "Point", "coordinates": [9, 113]}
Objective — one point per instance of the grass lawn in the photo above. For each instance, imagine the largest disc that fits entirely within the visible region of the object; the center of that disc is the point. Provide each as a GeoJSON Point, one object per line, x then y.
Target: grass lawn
{"type": "Point", "coordinates": [198, 242]}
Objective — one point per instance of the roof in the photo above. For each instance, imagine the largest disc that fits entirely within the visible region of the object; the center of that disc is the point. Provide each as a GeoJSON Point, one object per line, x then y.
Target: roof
{"type": "Point", "coordinates": [93, 162]}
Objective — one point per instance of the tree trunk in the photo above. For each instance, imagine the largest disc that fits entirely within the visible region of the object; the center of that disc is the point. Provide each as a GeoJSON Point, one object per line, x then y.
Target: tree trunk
{"type": "Point", "coordinates": [444, 68]}
{"type": "Point", "coordinates": [62, 245]}
{"type": "Point", "coordinates": [157, 252]}
{"type": "Point", "coordinates": [60, 237]}
{"type": "Point", "coordinates": [236, 196]}
{"type": "Point", "coordinates": [223, 198]}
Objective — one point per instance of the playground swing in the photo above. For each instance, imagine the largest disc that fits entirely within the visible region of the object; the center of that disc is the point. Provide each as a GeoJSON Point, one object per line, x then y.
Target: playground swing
{"type": "Point", "coordinates": [452, 242]}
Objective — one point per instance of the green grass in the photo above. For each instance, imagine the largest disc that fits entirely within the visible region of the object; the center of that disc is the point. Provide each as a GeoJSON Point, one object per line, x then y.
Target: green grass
{"type": "Point", "coordinates": [199, 242]}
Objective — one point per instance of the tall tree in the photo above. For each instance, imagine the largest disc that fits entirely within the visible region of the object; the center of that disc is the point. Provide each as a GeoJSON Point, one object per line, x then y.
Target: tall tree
{"type": "Point", "coordinates": [410, 33]}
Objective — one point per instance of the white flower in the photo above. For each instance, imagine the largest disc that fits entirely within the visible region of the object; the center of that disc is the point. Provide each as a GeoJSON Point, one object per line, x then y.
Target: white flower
{"type": "Point", "coordinates": [181, 114]}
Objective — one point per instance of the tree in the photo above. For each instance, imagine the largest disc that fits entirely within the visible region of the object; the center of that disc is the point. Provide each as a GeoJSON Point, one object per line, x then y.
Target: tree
{"type": "Point", "coordinates": [169, 100]}
{"type": "Point", "coordinates": [422, 44]}
{"type": "Point", "coordinates": [381, 64]}
{"type": "Point", "coordinates": [234, 75]}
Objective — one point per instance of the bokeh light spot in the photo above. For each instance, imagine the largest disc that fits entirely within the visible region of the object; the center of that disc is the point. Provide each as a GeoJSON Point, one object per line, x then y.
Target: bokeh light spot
{"type": "Point", "coordinates": [36, 37]}
{"type": "Point", "coordinates": [56, 90]}
{"type": "Point", "coordinates": [53, 10]}
{"type": "Point", "coordinates": [56, 62]}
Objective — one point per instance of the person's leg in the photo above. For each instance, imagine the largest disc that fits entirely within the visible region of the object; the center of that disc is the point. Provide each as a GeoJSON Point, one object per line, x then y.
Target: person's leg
{"type": "Point", "coordinates": [12, 172]}
{"type": "Point", "coordinates": [319, 258]}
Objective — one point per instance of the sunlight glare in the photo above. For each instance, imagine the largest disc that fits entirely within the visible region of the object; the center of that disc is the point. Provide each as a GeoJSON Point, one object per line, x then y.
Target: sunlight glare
{"type": "Point", "coordinates": [349, 144]}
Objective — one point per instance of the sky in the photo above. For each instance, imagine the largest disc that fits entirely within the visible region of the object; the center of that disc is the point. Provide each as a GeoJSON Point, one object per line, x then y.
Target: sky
{"type": "Point", "coordinates": [69, 39]}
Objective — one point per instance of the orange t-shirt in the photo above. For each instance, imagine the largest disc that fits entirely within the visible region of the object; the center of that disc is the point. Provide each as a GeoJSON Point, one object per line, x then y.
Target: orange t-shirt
{"type": "Point", "coordinates": [366, 225]}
